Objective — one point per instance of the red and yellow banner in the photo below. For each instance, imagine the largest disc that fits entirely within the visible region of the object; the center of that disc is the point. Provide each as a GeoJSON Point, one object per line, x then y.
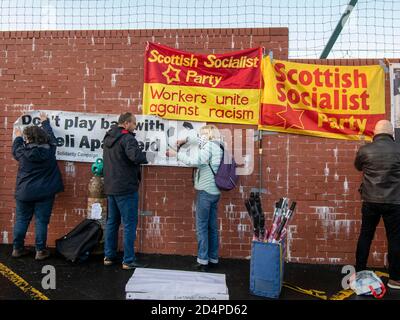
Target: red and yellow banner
{"type": "Point", "coordinates": [322, 100]}
{"type": "Point", "coordinates": [215, 87]}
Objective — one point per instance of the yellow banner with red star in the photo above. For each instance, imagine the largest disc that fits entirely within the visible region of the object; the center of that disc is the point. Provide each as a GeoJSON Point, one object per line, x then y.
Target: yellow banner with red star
{"type": "Point", "coordinates": [224, 88]}
{"type": "Point", "coordinates": [342, 102]}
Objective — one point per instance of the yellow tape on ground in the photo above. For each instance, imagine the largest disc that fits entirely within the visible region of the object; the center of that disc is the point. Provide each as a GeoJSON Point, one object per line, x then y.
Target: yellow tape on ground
{"type": "Point", "coordinates": [342, 295]}
{"type": "Point", "coordinates": [21, 283]}
{"type": "Point", "coordinates": [311, 292]}
{"type": "Point", "coordinates": [382, 274]}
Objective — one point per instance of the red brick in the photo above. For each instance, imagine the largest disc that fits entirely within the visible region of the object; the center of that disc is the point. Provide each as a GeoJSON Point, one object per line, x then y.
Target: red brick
{"type": "Point", "coordinates": [313, 238]}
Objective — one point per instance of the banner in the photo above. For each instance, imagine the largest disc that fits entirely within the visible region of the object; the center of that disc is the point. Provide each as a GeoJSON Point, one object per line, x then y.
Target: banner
{"type": "Point", "coordinates": [329, 101]}
{"type": "Point", "coordinates": [395, 97]}
{"type": "Point", "coordinates": [80, 135]}
{"type": "Point", "coordinates": [214, 88]}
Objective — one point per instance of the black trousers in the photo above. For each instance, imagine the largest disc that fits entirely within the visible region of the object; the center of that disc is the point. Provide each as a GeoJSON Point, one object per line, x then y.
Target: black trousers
{"type": "Point", "coordinates": [371, 214]}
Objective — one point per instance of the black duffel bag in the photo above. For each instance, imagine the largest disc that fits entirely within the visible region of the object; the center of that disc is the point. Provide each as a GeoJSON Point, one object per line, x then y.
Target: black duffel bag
{"type": "Point", "coordinates": [77, 245]}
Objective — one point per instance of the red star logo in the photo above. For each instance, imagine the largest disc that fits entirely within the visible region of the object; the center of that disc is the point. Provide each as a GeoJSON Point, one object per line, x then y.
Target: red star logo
{"type": "Point", "coordinates": [269, 115]}
{"type": "Point", "coordinates": [291, 117]}
{"type": "Point", "coordinates": [171, 74]}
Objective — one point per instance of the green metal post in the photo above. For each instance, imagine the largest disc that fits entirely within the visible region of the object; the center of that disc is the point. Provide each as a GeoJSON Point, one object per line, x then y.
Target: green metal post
{"type": "Point", "coordinates": [338, 29]}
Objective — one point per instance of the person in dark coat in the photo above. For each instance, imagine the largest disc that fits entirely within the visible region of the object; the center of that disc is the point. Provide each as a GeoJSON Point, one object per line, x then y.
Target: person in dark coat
{"type": "Point", "coordinates": [122, 159]}
{"type": "Point", "coordinates": [38, 181]}
{"type": "Point", "coordinates": [379, 162]}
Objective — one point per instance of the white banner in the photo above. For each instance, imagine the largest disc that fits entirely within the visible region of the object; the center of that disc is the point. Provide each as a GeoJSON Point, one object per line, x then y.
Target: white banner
{"type": "Point", "coordinates": [80, 135]}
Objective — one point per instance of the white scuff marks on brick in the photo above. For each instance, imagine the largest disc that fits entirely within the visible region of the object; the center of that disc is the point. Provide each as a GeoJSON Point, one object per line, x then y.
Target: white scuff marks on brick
{"type": "Point", "coordinates": [251, 41]}
{"type": "Point", "coordinates": [113, 79]}
{"type": "Point", "coordinates": [232, 42]}
{"type": "Point", "coordinates": [5, 237]}
{"type": "Point", "coordinates": [87, 70]}
{"type": "Point", "coordinates": [342, 224]}
{"type": "Point", "coordinates": [323, 215]}
{"type": "Point", "coordinates": [74, 189]}
{"type": "Point", "coordinates": [176, 41]}
{"type": "Point", "coordinates": [65, 215]}
{"type": "Point", "coordinates": [80, 212]}
{"type": "Point", "coordinates": [118, 72]}
{"type": "Point", "coordinates": [70, 169]}
{"type": "Point", "coordinates": [19, 107]}
{"type": "Point", "coordinates": [241, 191]}
{"type": "Point", "coordinates": [129, 40]}
{"type": "Point", "coordinates": [206, 42]}
{"type": "Point", "coordinates": [84, 98]}
{"type": "Point", "coordinates": [326, 172]}
{"type": "Point", "coordinates": [153, 229]}
{"type": "Point", "coordinates": [329, 222]}
{"type": "Point", "coordinates": [33, 44]}
{"type": "Point", "coordinates": [140, 105]}
{"type": "Point", "coordinates": [48, 55]}
{"type": "Point", "coordinates": [278, 176]}
{"type": "Point", "coordinates": [335, 154]}
{"type": "Point", "coordinates": [242, 229]}
{"type": "Point", "coordinates": [1, 72]}
{"type": "Point", "coordinates": [193, 209]}
{"type": "Point", "coordinates": [229, 211]}
{"type": "Point", "coordinates": [334, 260]}
{"type": "Point", "coordinates": [153, 38]}
{"type": "Point", "coordinates": [268, 170]}
{"type": "Point", "coordinates": [289, 241]}
{"type": "Point", "coordinates": [317, 260]}
{"type": "Point", "coordinates": [92, 38]}
{"type": "Point", "coordinates": [164, 199]}
{"type": "Point", "coordinates": [5, 122]}
{"type": "Point", "coordinates": [346, 185]}
{"type": "Point", "coordinates": [376, 256]}
{"type": "Point", "coordinates": [336, 176]}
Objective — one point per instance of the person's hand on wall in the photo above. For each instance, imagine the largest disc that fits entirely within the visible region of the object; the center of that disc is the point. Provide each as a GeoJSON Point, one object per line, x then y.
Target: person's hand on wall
{"type": "Point", "coordinates": [150, 156]}
{"type": "Point", "coordinates": [17, 132]}
{"type": "Point", "coordinates": [170, 153]}
{"type": "Point", "coordinates": [180, 143]}
{"type": "Point", "coordinates": [43, 116]}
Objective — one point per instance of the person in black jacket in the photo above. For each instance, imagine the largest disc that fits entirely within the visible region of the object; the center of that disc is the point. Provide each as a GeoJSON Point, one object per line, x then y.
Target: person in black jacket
{"type": "Point", "coordinates": [380, 191]}
{"type": "Point", "coordinates": [122, 159]}
{"type": "Point", "coordinates": [38, 180]}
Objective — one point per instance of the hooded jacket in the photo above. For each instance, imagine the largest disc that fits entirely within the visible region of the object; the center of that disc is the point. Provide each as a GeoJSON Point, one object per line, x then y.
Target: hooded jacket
{"type": "Point", "coordinates": [380, 163]}
{"type": "Point", "coordinates": [122, 158]}
{"type": "Point", "coordinates": [38, 175]}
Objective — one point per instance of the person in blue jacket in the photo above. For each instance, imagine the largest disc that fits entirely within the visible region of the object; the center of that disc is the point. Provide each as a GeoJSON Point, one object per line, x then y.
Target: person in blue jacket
{"type": "Point", "coordinates": [38, 181]}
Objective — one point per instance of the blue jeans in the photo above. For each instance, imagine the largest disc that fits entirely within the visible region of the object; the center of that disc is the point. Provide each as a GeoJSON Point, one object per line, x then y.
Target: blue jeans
{"type": "Point", "coordinates": [207, 227]}
{"type": "Point", "coordinates": [24, 213]}
{"type": "Point", "coordinates": [125, 207]}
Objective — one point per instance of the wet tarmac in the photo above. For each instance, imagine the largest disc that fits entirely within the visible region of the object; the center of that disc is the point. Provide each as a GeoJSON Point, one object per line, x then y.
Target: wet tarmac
{"type": "Point", "coordinates": [92, 280]}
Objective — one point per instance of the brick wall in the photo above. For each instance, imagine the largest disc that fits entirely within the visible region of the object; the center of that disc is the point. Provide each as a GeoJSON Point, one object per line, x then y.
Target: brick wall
{"type": "Point", "coordinates": [102, 71]}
